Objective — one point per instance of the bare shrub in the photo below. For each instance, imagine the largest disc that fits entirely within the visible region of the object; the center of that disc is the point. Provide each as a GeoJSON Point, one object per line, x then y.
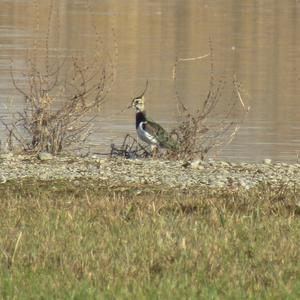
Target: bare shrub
{"type": "Point", "coordinates": [62, 96]}
{"type": "Point", "coordinates": [199, 133]}
{"type": "Point", "coordinates": [130, 148]}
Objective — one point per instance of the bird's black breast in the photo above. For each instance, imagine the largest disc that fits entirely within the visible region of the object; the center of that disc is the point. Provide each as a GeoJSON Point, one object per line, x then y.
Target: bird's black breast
{"type": "Point", "coordinates": [139, 117]}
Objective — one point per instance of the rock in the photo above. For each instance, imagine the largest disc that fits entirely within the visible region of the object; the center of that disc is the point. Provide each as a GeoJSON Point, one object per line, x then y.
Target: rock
{"type": "Point", "coordinates": [224, 171]}
{"type": "Point", "coordinates": [7, 155]}
{"type": "Point", "coordinates": [197, 164]}
{"type": "Point", "coordinates": [223, 164]}
{"type": "Point", "coordinates": [267, 161]}
{"type": "Point", "coordinates": [44, 156]}
{"type": "Point", "coordinates": [4, 147]}
{"type": "Point", "coordinates": [2, 179]}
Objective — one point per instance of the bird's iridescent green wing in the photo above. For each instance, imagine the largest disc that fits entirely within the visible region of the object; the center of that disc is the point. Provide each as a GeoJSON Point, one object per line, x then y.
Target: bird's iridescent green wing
{"type": "Point", "coordinates": [164, 138]}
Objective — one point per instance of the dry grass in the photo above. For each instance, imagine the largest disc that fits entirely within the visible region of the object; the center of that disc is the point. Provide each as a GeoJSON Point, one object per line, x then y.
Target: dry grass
{"type": "Point", "coordinates": [84, 240]}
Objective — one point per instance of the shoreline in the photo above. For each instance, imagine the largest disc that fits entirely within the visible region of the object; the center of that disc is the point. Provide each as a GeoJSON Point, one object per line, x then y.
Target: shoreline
{"type": "Point", "coordinates": [159, 173]}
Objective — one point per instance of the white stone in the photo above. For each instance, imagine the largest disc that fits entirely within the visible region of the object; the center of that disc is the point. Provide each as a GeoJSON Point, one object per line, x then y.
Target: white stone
{"type": "Point", "coordinates": [267, 161]}
{"type": "Point", "coordinates": [197, 164]}
{"type": "Point", "coordinates": [45, 156]}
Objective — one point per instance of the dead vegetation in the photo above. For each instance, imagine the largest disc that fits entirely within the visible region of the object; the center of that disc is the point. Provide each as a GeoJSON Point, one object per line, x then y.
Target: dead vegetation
{"type": "Point", "coordinates": [130, 148]}
{"type": "Point", "coordinates": [201, 133]}
{"type": "Point", "coordinates": [62, 92]}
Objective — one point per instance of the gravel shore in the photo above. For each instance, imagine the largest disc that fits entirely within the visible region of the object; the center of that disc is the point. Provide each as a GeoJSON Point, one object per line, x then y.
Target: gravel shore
{"type": "Point", "coordinates": [118, 171]}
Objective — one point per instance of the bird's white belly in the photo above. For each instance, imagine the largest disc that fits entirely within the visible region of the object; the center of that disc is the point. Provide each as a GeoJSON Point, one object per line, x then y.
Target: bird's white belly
{"type": "Point", "coordinates": [145, 136]}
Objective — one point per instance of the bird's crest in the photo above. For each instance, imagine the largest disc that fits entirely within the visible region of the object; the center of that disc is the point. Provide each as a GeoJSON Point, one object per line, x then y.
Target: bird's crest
{"type": "Point", "coordinates": [138, 102]}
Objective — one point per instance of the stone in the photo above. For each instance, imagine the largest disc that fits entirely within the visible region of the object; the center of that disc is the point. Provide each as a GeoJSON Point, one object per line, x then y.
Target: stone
{"type": "Point", "coordinates": [267, 161]}
{"type": "Point", "coordinates": [223, 164]}
{"type": "Point", "coordinates": [7, 155]}
{"type": "Point", "coordinates": [2, 179]}
{"type": "Point", "coordinates": [4, 147]}
{"type": "Point", "coordinates": [197, 164]}
{"type": "Point", "coordinates": [44, 156]}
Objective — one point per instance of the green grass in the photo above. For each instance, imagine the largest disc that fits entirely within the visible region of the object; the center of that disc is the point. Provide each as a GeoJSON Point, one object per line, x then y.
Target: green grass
{"type": "Point", "coordinates": [85, 240]}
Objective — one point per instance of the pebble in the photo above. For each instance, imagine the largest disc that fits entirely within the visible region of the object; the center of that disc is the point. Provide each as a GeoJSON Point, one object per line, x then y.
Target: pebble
{"type": "Point", "coordinates": [3, 179]}
{"type": "Point", "coordinates": [6, 155]}
{"type": "Point", "coordinates": [171, 174]}
{"type": "Point", "coordinates": [44, 156]}
{"type": "Point", "coordinates": [197, 164]}
{"type": "Point", "coordinates": [267, 161]}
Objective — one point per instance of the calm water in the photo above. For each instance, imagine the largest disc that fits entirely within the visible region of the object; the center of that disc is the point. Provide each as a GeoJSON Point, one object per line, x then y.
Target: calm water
{"type": "Point", "coordinates": [259, 41]}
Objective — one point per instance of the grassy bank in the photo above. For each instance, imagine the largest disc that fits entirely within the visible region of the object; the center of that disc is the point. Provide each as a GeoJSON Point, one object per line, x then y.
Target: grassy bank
{"type": "Point", "coordinates": [84, 240]}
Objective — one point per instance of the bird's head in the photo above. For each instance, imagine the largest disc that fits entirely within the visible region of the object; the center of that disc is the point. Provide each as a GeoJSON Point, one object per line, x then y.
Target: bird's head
{"type": "Point", "coordinates": [139, 102]}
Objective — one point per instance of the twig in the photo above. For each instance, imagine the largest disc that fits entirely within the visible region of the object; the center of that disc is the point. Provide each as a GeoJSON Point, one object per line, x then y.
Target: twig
{"type": "Point", "coordinates": [186, 59]}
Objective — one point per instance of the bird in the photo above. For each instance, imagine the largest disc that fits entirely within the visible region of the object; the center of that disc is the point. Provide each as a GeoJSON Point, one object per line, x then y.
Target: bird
{"type": "Point", "coordinates": [148, 131]}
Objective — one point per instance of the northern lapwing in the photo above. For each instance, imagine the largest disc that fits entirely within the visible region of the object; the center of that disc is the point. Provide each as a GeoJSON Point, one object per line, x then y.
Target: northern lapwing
{"type": "Point", "coordinates": [148, 131]}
